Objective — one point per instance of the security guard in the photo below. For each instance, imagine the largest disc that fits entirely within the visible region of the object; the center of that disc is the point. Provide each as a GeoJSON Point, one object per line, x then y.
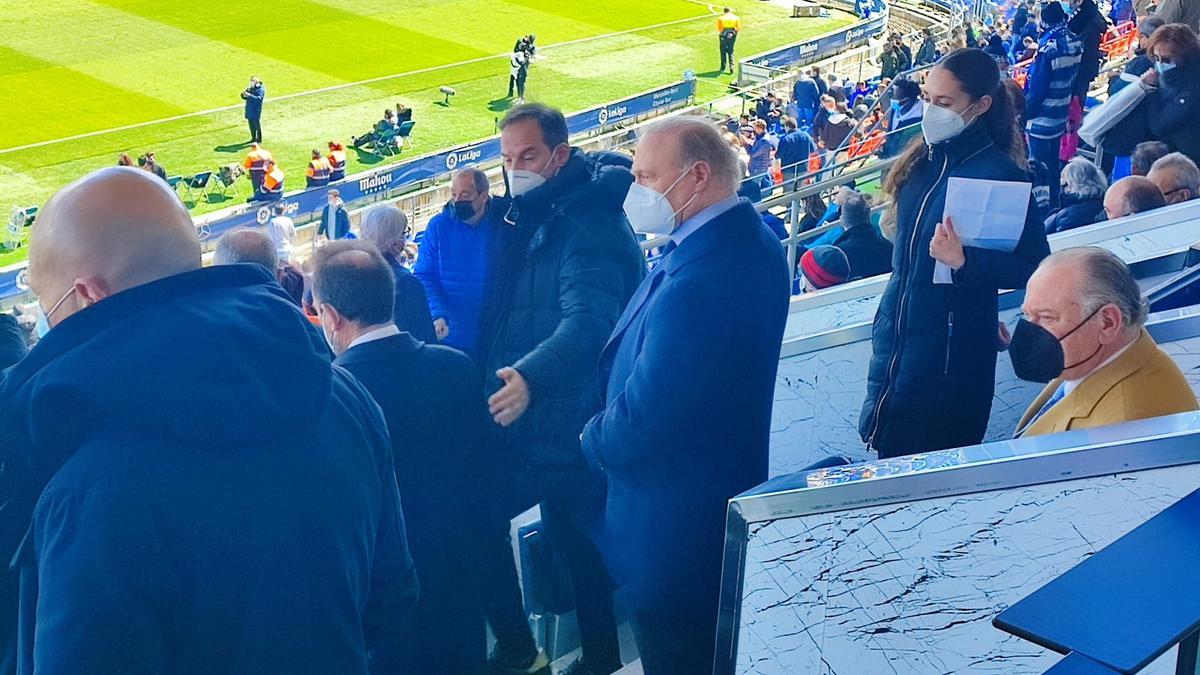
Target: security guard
{"type": "Point", "coordinates": [272, 185]}
{"type": "Point", "coordinates": [728, 27]}
{"type": "Point", "coordinates": [255, 164]}
{"type": "Point", "coordinates": [337, 161]}
{"type": "Point", "coordinates": [318, 170]}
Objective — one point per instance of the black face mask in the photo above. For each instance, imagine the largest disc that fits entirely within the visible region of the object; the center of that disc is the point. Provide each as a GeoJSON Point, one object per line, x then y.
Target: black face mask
{"type": "Point", "coordinates": [464, 210]}
{"type": "Point", "coordinates": [1037, 356]}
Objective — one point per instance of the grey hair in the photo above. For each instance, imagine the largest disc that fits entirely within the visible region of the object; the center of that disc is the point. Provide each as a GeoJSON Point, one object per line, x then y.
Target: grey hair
{"type": "Point", "coordinates": [1082, 179]}
{"type": "Point", "coordinates": [384, 226]}
{"type": "Point", "coordinates": [246, 246]}
{"type": "Point", "coordinates": [1107, 280]}
{"type": "Point", "coordinates": [1187, 174]}
{"type": "Point", "coordinates": [478, 178]}
{"type": "Point", "coordinates": [700, 141]}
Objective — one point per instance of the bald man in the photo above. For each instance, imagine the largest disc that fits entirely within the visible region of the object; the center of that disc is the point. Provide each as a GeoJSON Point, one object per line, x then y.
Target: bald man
{"type": "Point", "coordinates": [1130, 195]}
{"type": "Point", "coordinates": [194, 488]}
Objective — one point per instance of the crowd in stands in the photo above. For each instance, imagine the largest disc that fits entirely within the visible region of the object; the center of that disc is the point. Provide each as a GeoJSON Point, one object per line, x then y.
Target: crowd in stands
{"type": "Point", "coordinates": [342, 500]}
{"type": "Point", "coordinates": [1058, 56]}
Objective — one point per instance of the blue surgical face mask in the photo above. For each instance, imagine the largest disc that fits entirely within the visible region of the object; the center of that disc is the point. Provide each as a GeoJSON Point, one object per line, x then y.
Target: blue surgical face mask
{"type": "Point", "coordinates": [42, 326]}
{"type": "Point", "coordinates": [1164, 68]}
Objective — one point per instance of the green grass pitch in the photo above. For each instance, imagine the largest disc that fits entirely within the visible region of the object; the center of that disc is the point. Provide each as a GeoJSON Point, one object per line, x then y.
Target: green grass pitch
{"type": "Point", "coordinates": [153, 74]}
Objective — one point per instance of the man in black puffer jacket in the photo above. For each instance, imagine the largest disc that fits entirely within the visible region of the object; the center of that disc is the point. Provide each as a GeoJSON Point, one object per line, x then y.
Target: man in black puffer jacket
{"type": "Point", "coordinates": [1089, 24]}
{"type": "Point", "coordinates": [569, 264]}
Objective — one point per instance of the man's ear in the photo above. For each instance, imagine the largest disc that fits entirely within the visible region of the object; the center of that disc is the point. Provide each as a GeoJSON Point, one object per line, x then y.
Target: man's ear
{"type": "Point", "coordinates": [91, 290]}
{"type": "Point", "coordinates": [336, 320]}
{"type": "Point", "coordinates": [1112, 323]}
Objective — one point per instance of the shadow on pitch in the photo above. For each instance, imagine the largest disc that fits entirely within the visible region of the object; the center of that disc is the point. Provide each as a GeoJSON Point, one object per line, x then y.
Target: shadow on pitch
{"type": "Point", "coordinates": [500, 104]}
{"type": "Point", "coordinates": [712, 74]}
{"type": "Point", "coordinates": [232, 148]}
{"type": "Point", "coordinates": [367, 157]}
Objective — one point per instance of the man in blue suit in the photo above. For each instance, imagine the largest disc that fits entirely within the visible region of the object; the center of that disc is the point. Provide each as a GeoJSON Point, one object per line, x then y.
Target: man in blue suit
{"type": "Point", "coordinates": [254, 95]}
{"type": "Point", "coordinates": [430, 398]}
{"type": "Point", "coordinates": [688, 378]}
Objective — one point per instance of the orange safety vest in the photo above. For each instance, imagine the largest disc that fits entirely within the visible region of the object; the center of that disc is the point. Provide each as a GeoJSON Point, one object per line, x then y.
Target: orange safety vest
{"type": "Point", "coordinates": [273, 181]}
{"type": "Point", "coordinates": [318, 169]}
{"type": "Point", "coordinates": [257, 159]}
{"type": "Point", "coordinates": [337, 160]}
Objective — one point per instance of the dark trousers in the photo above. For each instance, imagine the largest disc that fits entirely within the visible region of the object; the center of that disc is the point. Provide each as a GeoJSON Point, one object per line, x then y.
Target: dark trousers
{"type": "Point", "coordinates": [562, 496]}
{"type": "Point", "coordinates": [726, 46]}
{"type": "Point", "coordinates": [520, 85]}
{"type": "Point", "coordinates": [675, 640]}
{"type": "Point", "coordinates": [255, 130]}
{"type": "Point", "coordinates": [512, 82]}
{"type": "Point", "coordinates": [1045, 150]}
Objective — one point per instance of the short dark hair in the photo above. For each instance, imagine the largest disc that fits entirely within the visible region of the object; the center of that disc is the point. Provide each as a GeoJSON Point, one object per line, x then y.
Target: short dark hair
{"type": "Point", "coordinates": [856, 211]}
{"type": "Point", "coordinates": [353, 278]}
{"type": "Point", "coordinates": [1145, 154]}
{"type": "Point", "coordinates": [549, 120]}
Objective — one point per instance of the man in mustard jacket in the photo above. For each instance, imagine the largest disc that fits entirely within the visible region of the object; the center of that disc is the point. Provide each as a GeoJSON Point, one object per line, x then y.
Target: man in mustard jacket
{"type": "Point", "coordinates": [1083, 333]}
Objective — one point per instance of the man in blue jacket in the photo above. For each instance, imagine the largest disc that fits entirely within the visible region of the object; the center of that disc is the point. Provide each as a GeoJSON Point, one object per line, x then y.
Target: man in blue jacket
{"type": "Point", "coordinates": [807, 97]}
{"type": "Point", "coordinates": [335, 221]}
{"type": "Point", "coordinates": [254, 96]}
{"type": "Point", "coordinates": [687, 414]}
{"type": "Point", "coordinates": [386, 227]}
{"type": "Point", "coordinates": [1048, 92]}
{"type": "Point", "coordinates": [455, 261]}
{"type": "Point", "coordinates": [430, 398]}
{"type": "Point", "coordinates": [792, 154]}
{"type": "Point", "coordinates": [192, 487]}
{"type": "Point", "coordinates": [569, 265]}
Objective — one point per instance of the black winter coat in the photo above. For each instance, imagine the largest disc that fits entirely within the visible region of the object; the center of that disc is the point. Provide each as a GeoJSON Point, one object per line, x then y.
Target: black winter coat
{"type": "Point", "coordinates": [1166, 114]}
{"type": "Point", "coordinates": [867, 251]}
{"type": "Point", "coordinates": [1089, 24]}
{"type": "Point", "coordinates": [569, 264]}
{"type": "Point", "coordinates": [1075, 213]}
{"type": "Point", "coordinates": [933, 366]}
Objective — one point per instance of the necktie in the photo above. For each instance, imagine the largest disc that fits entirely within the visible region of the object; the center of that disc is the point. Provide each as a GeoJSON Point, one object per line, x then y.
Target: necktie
{"type": "Point", "coordinates": [1057, 396]}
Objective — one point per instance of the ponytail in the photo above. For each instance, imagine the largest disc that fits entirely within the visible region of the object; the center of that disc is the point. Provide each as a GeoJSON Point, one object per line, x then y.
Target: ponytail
{"type": "Point", "coordinates": [978, 75]}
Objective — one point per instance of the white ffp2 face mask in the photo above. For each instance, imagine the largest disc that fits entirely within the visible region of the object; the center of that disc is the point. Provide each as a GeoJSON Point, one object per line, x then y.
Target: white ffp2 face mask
{"type": "Point", "coordinates": [941, 124]}
{"type": "Point", "coordinates": [522, 181]}
{"type": "Point", "coordinates": [649, 212]}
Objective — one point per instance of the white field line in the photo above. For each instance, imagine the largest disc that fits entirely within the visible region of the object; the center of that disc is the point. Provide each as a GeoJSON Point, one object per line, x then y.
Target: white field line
{"type": "Point", "coordinates": [347, 85]}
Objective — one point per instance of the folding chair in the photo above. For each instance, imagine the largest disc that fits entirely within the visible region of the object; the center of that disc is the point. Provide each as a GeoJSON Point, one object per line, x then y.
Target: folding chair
{"type": "Point", "coordinates": [198, 182]}
{"type": "Point", "coordinates": [223, 182]}
{"type": "Point", "coordinates": [385, 143]}
{"type": "Point", "coordinates": [405, 132]}
{"type": "Point", "coordinates": [173, 181]}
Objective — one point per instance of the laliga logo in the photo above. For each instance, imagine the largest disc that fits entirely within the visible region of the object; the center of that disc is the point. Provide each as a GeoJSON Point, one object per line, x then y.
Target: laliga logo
{"type": "Point", "coordinates": [606, 114]}
{"type": "Point", "coordinates": [456, 158]}
{"type": "Point", "coordinates": [22, 279]}
{"type": "Point", "coordinates": [263, 215]}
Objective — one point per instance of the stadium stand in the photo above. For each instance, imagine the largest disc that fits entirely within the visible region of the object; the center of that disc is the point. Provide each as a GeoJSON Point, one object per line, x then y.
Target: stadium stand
{"type": "Point", "coordinates": [882, 565]}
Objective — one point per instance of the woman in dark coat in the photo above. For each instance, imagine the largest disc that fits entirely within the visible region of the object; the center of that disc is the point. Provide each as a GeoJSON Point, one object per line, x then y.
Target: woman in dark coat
{"type": "Point", "coordinates": [1169, 111]}
{"type": "Point", "coordinates": [932, 371]}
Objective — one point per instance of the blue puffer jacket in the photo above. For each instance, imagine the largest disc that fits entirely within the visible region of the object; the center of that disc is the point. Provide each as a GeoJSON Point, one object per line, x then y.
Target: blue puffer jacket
{"type": "Point", "coordinates": [569, 265]}
{"type": "Point", "coordinates": [456, 267]}
{"type": "Point", "coordinates": [933, 367]}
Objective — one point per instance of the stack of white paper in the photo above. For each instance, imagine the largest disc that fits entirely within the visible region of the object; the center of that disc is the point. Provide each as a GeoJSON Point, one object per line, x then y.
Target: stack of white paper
{"type": "Point", "coordinates": [985, 214]}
